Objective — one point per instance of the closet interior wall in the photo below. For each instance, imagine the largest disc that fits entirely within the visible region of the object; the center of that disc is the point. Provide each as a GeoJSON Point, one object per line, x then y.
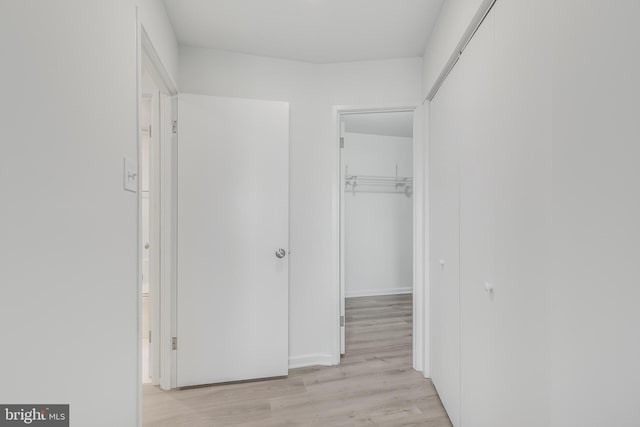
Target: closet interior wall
{"type": "Point", "coordinates": [378, 215]}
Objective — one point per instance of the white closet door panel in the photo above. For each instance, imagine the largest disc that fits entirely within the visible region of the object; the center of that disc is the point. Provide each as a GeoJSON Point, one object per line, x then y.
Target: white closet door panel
{"type": "Point", "coordinates": [233, 204]}
{"type": "Point", "coordinates": [520, 197]}
{"type": "Point", "coordinates": [505, 170]}
{"type": "Point", "coordinates": [480, 342]}
{"type": "Point", "coordinates": [444, 271]}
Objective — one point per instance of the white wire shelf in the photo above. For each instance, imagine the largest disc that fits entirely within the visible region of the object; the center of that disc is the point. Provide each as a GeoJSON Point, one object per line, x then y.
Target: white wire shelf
{"type": "Point", "coordinates": [378, 184]}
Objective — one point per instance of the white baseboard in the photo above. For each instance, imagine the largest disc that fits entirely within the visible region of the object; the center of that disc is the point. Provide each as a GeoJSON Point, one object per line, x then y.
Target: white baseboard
{"type": "Point", "coordinates": [310, 360]}
{"type": "Point", "coordinates": [378, 292]}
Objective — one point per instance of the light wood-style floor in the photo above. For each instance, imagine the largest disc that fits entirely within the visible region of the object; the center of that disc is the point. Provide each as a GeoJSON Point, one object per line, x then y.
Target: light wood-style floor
{"type": "Point", "coordinates": [373, 386]}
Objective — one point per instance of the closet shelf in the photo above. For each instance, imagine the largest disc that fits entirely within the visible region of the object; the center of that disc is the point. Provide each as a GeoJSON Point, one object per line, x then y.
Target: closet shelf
{"type": "Point", "coordinates": [381, 184]}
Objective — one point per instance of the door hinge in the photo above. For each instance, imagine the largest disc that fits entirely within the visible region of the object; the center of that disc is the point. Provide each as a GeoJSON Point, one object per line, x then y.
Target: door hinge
{"type": "Point", "coordinates": [174, 127]}
{"type": "Point", "coordinates": [341, 320]}
{"type": "Point", "coordinates": [149, 336]}
{"type": "Point", "coordinates": [149, 131]}
{"type": "Point", "coordinates": [342, 142]}
{"type": "Point", "coordinates": [174, 343]}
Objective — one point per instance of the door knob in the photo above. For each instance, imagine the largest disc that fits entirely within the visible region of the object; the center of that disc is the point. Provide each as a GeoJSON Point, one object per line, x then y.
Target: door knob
{"type": "Point", "coordinates": [280, 253]}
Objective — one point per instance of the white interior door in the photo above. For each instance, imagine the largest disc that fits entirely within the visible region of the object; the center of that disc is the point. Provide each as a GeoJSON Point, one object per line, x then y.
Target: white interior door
{"type": "Point", "coordinates": [167, 198]}
{"type": "Point", "coordinates": [444, 156]}
{"type": "Point", "coordinates": [233, 234]}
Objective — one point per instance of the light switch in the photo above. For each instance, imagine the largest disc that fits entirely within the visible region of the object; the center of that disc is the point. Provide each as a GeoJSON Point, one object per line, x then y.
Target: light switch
{"type": "Point", "coordinates": [130, 177]}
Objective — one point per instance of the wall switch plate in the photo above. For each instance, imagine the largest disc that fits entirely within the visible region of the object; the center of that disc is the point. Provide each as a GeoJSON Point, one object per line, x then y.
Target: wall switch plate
{"type": "Point", "coordinates": [130, 176]}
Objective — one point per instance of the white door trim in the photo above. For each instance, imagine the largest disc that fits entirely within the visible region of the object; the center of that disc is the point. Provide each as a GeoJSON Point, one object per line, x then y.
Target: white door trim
{"type": "Point", "coordinates": [164, 170]}
{"type": "Point", "coordinates": [419, 307]}
{"type": "Point", "coordinates": [145, 52]}
{"type": "Point", "coordinates": [422, 345]}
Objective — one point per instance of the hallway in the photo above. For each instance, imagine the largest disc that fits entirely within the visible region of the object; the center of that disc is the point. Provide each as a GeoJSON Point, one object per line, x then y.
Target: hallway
{"type": "Point", "coordinates": [373, 385]}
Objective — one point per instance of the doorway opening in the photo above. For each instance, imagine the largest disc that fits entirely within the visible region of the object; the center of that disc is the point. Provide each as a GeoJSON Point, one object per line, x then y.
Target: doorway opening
{"type": "Point", "coordinates": [156, 183]}
{"type": "Point", "coordinates": [149, 229]}
{"type": "Point", "coordinates": [377, 232]}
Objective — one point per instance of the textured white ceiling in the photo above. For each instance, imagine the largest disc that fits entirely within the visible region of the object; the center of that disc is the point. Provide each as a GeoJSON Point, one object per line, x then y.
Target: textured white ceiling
{"type": "Point", "coordinates": [388, 124]}
{"type": "Point", "coordinates": [319, 31]}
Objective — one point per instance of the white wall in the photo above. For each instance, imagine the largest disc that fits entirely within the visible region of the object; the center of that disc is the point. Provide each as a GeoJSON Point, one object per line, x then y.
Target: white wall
{"type": "Point", "coordinates": [68, 245]}
{"type": "Point", "coordinates": [153, 17]}
{"type": "Point", "coordinates": [453, 20]}
{"type": "Point", "coordinates": [595, 291]}
{"type": "Point", "coordinates": [378, 226]}
{"type": "Point", "coordinates": [311, 90]}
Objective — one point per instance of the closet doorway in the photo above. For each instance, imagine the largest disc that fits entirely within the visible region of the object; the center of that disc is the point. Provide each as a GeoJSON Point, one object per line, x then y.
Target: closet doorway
{"type": "Point", "coordinates": [377, 234]}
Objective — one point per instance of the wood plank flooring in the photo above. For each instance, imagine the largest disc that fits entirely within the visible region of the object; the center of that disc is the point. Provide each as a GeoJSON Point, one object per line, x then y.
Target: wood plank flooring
{"type": "Point", "coordinates": [373, 386]}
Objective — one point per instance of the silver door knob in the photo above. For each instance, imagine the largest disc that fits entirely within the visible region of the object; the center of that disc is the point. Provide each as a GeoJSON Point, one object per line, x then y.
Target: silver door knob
{"type": "Point", "coordinates": [280, 253]}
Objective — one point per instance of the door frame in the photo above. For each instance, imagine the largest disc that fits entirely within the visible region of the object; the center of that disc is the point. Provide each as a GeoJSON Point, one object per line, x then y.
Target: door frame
{"type": "Point", "coordinates": [147, 54]}
{"type": "Point", "coordinates": [420, 297]}
{"type": "Point", "coordinates": [163, 169]}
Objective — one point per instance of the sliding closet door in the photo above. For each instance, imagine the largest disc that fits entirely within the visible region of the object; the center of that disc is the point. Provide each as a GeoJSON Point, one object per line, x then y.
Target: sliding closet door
{"type": "Point", "coordinates": [523, 166]}
{"type": "Point", "coordinates": [482, 347]}
{"type": "Point", "coordinates": [490, 150]}
{"type": "Point", "coordinates": [444, 271]}
{"type": "Point", "coordinates": [504, 176]}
